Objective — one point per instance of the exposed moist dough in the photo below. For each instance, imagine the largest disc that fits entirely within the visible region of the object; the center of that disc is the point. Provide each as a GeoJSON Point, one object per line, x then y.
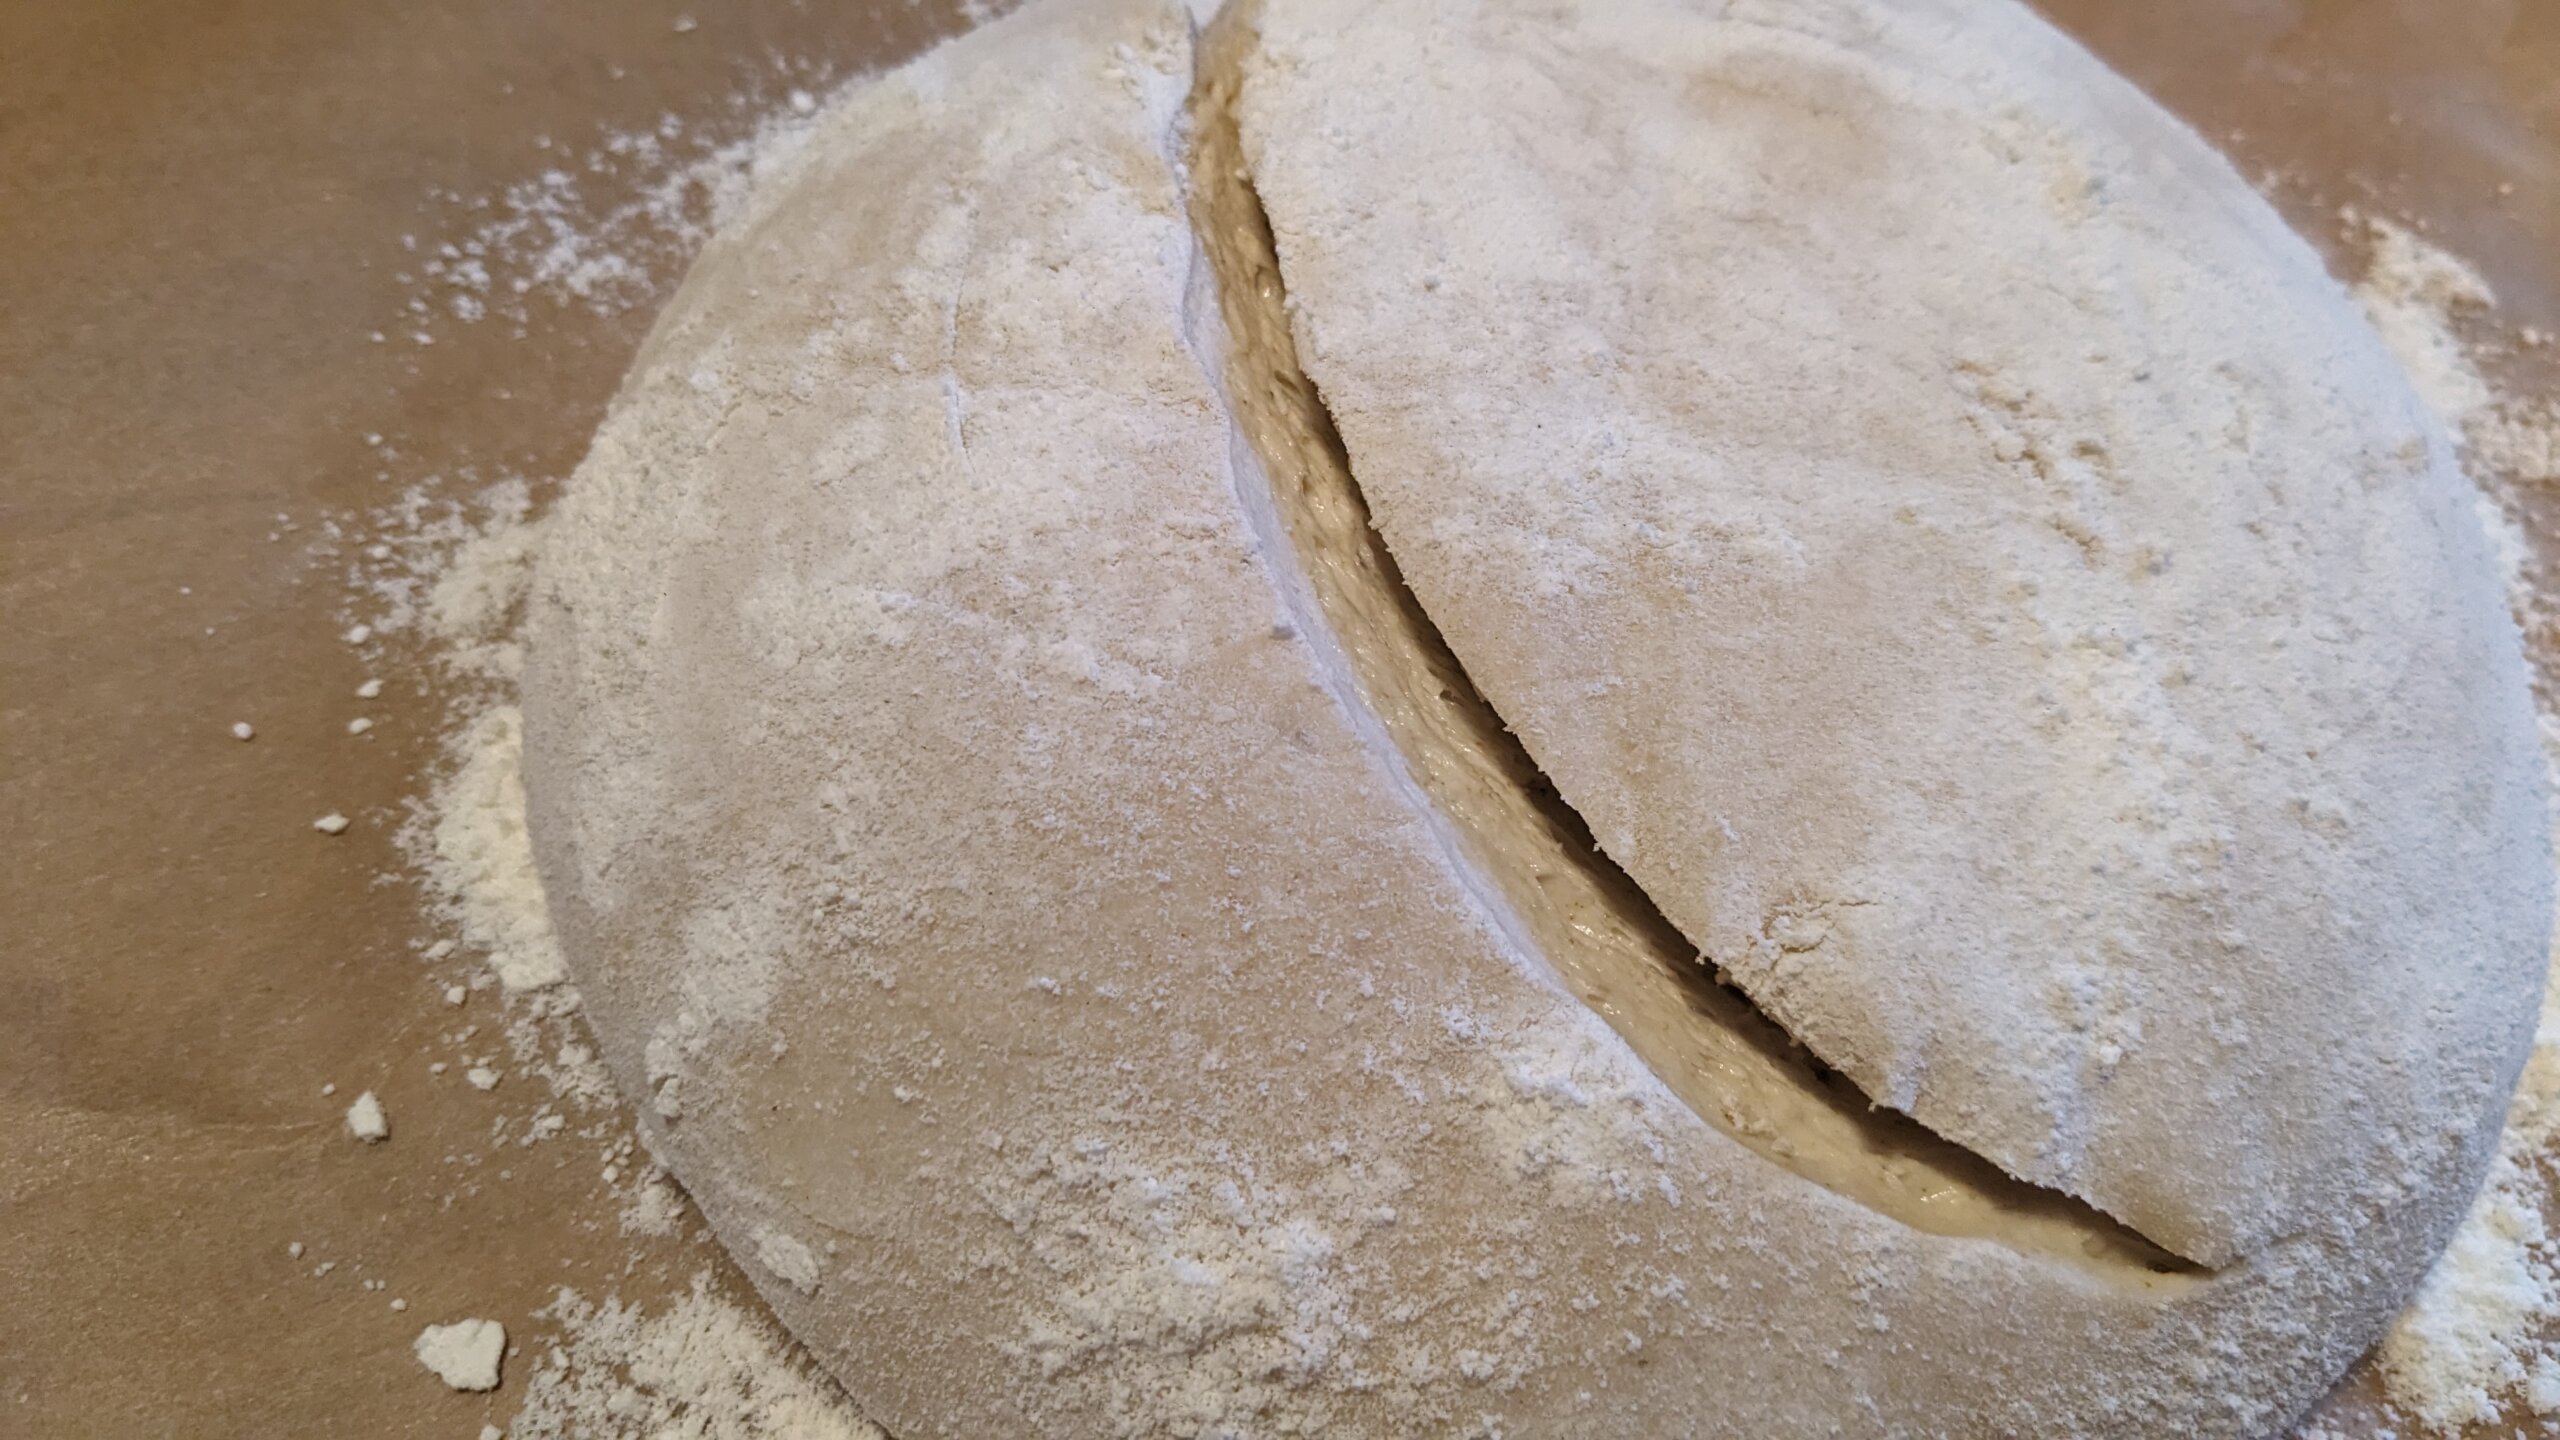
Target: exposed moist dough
{"type": "Point", "coordinates": [926, 796]}
{"type": "Point", "coordinates": [1580, 912]}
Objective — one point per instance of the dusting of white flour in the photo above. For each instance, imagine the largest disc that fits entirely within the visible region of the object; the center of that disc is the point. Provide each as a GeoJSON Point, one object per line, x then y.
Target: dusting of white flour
{"type": "Point", "coordinates": [440, 572]}
{"type": "Point", "coordinates": [604, 231]}
{"type": "Point", "coordinates": [2481, 1331]}
{"type": "Point", "coordinates": [2412, 291]}
{"type": "Point", "coordinates": [2417, 295]}
{"type": "Point", "coordinates": [480, 859]}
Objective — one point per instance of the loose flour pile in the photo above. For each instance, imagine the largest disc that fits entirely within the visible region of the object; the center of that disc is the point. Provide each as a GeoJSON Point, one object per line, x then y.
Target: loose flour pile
{"type": "Point", "coordinates": [704, 1368]}
{"type": "Point", "coordinates": [440, 573]}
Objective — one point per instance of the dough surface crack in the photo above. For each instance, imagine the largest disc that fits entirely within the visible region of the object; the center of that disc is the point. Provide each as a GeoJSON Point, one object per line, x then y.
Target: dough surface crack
{"type": "Point", "coordinates": [1593, 925]}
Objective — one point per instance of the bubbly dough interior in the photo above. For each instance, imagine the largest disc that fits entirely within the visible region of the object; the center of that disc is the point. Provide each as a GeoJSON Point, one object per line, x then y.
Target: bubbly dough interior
{"type": "Point", "coordinates": [1608, 941]}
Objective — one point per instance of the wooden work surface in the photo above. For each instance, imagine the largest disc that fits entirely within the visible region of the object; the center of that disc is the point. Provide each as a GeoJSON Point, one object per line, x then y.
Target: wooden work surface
{"type": "Point", "coordinates": [202, 218]}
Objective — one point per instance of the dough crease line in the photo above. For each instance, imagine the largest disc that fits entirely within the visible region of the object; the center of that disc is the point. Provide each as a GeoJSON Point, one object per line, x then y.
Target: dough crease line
{"type": "Point", "coordinates": [1523, 851]}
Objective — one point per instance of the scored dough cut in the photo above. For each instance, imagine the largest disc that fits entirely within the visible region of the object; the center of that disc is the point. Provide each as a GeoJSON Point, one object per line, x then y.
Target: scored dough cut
{"type": "Point", "coordinates": [1960, 554]}
{"type": "Point", "coordinates": [1007, 889]}
{"type": "Point", "coordinates": [1579, 913]}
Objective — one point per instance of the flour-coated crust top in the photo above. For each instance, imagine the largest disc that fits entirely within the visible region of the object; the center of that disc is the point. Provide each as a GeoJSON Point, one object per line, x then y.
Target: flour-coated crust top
{"type": "Point", "coordinates": [1963, 557]}
{"type": "Point", "coordinates": [983, 886]}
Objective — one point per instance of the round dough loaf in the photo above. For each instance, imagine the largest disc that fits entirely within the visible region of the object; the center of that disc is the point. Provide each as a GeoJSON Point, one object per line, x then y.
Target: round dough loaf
{"type": "Point", "coordinates": [1104, 970]}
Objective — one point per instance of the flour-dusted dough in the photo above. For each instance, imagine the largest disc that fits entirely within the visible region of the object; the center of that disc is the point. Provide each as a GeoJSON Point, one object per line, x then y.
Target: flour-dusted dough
{"type": "Point", "coordinates": [1962, 556]}
{"type": "Point", "coordinates": [1001, 883]}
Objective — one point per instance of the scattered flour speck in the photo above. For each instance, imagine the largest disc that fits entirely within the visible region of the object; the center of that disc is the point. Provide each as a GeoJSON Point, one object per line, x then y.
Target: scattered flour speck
{"type": "Point", "coordinates": [656, 1207]}
{"type": "Point", "coordinates": [365, 1119]}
